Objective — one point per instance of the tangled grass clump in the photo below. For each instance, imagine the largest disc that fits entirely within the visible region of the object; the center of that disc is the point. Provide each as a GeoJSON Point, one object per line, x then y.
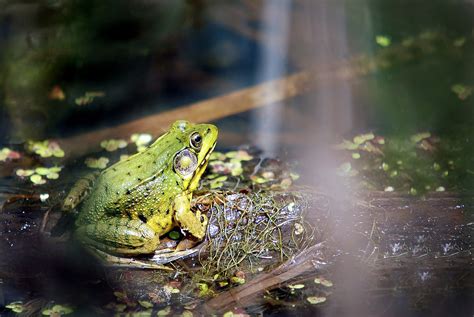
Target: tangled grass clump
{"type": "Point", "coordinates": [249, 232]}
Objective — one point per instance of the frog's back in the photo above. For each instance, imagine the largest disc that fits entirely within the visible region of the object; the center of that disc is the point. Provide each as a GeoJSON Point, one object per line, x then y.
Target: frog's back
{"type": "Point", "coordinates": [119, 181]}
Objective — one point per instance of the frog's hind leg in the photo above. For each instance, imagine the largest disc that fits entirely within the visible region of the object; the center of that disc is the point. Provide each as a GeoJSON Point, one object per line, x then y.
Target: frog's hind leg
{"type": "Point", "coordinates": [119, 236]}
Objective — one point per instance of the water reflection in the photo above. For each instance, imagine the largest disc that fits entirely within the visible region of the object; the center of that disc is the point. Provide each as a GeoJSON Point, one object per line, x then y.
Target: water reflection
{"type": "Point", "coordinates": [274, 47]}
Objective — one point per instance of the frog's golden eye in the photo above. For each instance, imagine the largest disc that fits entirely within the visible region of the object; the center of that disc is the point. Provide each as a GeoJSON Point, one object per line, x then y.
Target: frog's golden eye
{"type": "Point", "coordinates": [195, 140]}
{"type": "Point", "coordinates": [185, 162]}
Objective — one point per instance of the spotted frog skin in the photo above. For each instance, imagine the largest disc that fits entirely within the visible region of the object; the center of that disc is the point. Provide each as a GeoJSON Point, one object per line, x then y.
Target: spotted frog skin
{"type": "Point", "coordinates": [134, 202]}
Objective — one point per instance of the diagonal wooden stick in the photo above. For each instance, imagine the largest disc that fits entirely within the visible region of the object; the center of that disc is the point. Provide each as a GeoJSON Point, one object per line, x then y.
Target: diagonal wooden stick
{"type": "Point", "coordinates": [203, 111]}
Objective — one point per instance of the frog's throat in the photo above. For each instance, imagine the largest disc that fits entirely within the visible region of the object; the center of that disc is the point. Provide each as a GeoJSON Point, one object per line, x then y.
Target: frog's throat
{"type": "Point", "coordinates": [193, 182]}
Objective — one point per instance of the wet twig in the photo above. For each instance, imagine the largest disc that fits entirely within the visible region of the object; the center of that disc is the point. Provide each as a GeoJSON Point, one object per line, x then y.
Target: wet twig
{"type": "Point", "coordinates": [247, 294]}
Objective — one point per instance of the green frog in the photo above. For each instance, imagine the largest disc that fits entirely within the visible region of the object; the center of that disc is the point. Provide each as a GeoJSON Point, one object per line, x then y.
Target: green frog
{"type": "Point", "coordinates": [135, 201]}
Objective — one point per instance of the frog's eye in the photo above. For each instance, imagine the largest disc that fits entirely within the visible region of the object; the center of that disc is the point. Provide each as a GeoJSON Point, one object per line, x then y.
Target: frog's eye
{"type": "Point", "coordinates": [185, 162]}
{"type": "Point", "coordinates": [195, 141]}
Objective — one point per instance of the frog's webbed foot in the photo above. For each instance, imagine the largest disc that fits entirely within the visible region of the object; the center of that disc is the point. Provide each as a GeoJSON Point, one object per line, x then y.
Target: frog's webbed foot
{"type": "Point", "coordinates": [168, 255]}
{"type": "Point", "coordinates": [194, 223]}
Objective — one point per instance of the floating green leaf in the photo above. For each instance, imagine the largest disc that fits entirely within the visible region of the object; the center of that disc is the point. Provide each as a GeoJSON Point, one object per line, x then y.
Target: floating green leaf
{"type": "Point", "coordinates": [24, 173]}
{"type": "Point", "coordinates": [141, 140]}
{"type": "Point", "coordinates": [88, 97]}
{"type": "Point", "coordinates": [6, 154]}
{"type": "Point", "coordinates": [37, 179]}
{"type": "Point", "coordinates": [218, 182]}
{"type": "Point", "coordinates": [316, 299]}
{"type": "Point", "coordinates": [187, 313]}
{"type": "Point", "coordinates": [175, 235]}
{"type": "Point", "coordinates": [460, 41]}
{"type": "Point", "coordinates": [113, 144]}
{"type": "Point", "coordinates": [170, 289]}
{"type": "Point", "coordinates": [42, 171]}
{"type": "Point", "coordinates": [99, 163]}
{"type": "Point", "coordinates": [52, 176]}
{"type": "Point", "coordinates": [420, 136]}
{"type": "Point", "coordinates": [362, 138]}
{"type": "Point", "coordinates": [237, 280]}
{"type": "Point", "coordinates": [462, 91]}
{"type": "Point", "coordinates": [217, 156]}
{"type": "Point", "coordinates": [204, 290]}
{"type": "Point", "coordinates": [145, 304]}
{"type": "Point", "coordinates": [45, 148]}
{"type": "Point", "coordinates": [323, 281]}
{"type": "Point", "coordinates": [240, 155]}
{"type": "Point", "coordinates": [57, 310]}
{"type": "Point", "coordinates": [164, 312]}
{"type": "Point", "coordinates": [16, 307]}
{"type": "Point", "coordinates": [383, 40]}
{"type": "Point", "coordinates": [296, 286]}
{"type": "Point", "coordinates": [346, 145]}
{"type": "Point", "coordinates": [294, 176]}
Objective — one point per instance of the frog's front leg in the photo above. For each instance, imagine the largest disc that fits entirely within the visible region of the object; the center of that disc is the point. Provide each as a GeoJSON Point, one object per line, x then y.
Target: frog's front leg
{"type": "Point", "coordinates": [79, 191]}
{"type": "Point", "coordinates": [121, 236]}
{"type": "Point", "coordinates": [194, 223]}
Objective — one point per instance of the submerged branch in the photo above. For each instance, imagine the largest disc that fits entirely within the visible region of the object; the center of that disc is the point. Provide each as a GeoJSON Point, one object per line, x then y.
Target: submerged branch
{"type": "Point", "coordinates": [203, 111]}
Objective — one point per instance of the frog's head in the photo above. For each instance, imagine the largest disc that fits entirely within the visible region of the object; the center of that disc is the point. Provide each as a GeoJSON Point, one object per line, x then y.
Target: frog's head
{"type": "Point", "coordinates": [198, 142]}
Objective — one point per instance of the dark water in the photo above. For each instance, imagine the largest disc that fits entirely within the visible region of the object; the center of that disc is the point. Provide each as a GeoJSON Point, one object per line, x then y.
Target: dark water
{"type": "Point", "coordinates": [149, 57]}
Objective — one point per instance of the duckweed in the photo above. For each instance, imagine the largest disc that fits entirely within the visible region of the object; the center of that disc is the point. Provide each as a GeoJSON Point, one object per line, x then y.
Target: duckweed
{"type": "Point", "coordinates": [164, 312]}
{"type": "Point", "coordinates": [37, 179]}
{"type": "Point", "coordinates": [240, 155]}
{"type": "Point", "coordinates": [8, 154]}
{"type": "Point", "coordinates": [461, 91]}
{"type": "Point", "coordinates": [98, 163]}
{"type": "Point", "coordinates": [45, 148]}
{"type": "Point", "coordinates": [88, 97]}
{"type": "Point", "coordinates": [316, 299]}
{"type": "Point", "coordinates": [237, 280]}
{"type": "Point", "coordinates": [38, 175]}
{"type": "Point", "coordinates": [113, 144]}
{"type": "Point", "coordinates": [383, 40]}
{"type": "Point", "coordinates": [145, 304]}
{"type": "Point", "coordinates": [420, 137]}
{"type": "Point", "coordinates": [296, 286]}
{"type": "Point", "coordinates": [16, 307]}
{"type": "Point", "coordinates": [362, 138]}
{"type": "Point", "coordinates": [57, 310]}
{"type": "Point", "coordinates": [141, 140]}
{"type": "Point", "coordinates": [323, 281]}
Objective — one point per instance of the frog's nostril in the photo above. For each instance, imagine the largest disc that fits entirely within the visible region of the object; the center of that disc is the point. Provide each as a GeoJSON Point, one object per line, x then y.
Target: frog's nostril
{"type": "Point", "coordinates": [208, 130]}
{"type": "Point", "coordinates": [202, 218]}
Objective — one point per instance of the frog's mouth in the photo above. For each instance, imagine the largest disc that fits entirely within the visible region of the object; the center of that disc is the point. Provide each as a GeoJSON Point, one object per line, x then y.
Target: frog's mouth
{"type": "Point", "coordinates": [194, 181]}
{"type": "Point", "coordinates": [207, 156]}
